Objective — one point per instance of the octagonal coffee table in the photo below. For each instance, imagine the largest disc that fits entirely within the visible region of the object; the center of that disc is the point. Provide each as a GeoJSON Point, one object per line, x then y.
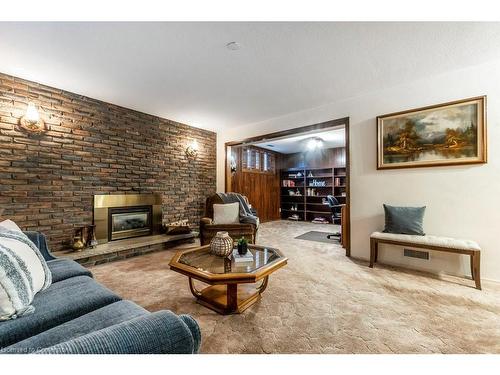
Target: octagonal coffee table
{"type": "Point", "coordinates": [232, 286]}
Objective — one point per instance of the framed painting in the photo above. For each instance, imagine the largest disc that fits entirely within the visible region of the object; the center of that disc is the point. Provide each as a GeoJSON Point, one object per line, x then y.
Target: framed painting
{"type": "Point", "coordinates": [444, 134]}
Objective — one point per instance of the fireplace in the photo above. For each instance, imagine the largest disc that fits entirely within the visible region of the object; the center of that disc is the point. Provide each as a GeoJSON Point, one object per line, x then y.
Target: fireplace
{"type": "Point", "coordinates": [126, 222]}
{"type": "Point", "coordinates": [120, 216]}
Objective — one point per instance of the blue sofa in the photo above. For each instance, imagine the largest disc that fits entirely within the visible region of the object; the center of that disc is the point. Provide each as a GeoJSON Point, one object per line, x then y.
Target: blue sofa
{"type": "Point", "coordinates": [77, 315]}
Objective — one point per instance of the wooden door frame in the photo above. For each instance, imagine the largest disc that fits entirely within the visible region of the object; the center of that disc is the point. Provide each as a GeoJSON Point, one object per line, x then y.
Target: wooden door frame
{"type": "Point", "coordinates": [295, 131]}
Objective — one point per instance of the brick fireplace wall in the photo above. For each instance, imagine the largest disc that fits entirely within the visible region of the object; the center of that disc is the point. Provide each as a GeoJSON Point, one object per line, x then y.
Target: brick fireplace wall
{"type": "Point", "coordinates": [91, 147]}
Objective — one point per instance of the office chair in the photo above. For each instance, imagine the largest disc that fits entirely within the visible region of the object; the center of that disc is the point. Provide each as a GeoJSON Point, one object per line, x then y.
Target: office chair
{"type": "Point", "coordinates": [335, 207]}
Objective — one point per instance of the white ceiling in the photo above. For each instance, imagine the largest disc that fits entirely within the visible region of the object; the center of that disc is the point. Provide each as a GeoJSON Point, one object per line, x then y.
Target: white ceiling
{"type": "Point", "coordinates": [184, 72]}
{"type": "Point", "coordinates": [331, 139]}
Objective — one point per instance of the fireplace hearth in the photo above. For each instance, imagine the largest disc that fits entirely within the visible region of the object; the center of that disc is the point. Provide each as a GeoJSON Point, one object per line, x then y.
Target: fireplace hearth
{"type": "Point", "coordinates": [120, 216]}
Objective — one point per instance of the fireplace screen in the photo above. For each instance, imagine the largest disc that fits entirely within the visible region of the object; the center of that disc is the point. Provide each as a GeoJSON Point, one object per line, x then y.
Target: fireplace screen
{"type": "Point", "coordinates": [126, 222]}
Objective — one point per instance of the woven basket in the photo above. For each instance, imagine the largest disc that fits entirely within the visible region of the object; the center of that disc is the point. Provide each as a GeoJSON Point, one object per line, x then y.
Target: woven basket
{"type": "Point", "coordinates": [221, 245]}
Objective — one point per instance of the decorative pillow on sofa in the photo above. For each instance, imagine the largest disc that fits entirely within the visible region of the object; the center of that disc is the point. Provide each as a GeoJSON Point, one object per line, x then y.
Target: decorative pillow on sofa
{"type": "Point", "coordinates": [9, 224]}
{"type": "Point", "coordinates": [404, 220]}
{"type": "Point", "coordinates": [227, 213]}
{"type": "Point", "coordinates": [23, 272]}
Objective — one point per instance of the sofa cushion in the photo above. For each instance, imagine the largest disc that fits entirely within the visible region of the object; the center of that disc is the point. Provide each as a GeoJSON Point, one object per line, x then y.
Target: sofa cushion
{"type": "Point", "coordinates": [106, 316]}
{"type": "Point", "coordinates": [63, 269]}
{"type": "Point", "coordinates": [60, 303]}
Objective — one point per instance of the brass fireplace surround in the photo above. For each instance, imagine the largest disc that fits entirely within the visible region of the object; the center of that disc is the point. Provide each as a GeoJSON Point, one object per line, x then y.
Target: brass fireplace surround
{"type": "Point", "coordinates": [103, 202]}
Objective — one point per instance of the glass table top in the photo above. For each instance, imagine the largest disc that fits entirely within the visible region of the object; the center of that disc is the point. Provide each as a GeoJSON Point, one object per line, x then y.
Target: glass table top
{"type": "Point", "coordinates": [202, 259]}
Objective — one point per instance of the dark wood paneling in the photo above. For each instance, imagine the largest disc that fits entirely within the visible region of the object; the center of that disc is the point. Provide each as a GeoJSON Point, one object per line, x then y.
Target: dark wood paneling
{"type": "Point", "coordinates": [262, 189]}
{"type": "Point", "coordinates": [328, 158]}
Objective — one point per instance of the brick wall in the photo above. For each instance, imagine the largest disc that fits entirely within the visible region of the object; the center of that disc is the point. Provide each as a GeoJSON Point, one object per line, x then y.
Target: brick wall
{"type": "Point", "coordinates": [91, 147]}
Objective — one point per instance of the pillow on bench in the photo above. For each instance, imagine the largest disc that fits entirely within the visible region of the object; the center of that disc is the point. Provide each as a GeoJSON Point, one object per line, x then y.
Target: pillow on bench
{"type": "Point", "coordinates": [404, 220]}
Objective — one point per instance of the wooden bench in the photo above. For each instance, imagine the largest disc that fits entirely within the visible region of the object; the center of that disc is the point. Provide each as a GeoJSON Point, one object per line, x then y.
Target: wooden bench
{"type": "Point", "coordinates": [437, 243]}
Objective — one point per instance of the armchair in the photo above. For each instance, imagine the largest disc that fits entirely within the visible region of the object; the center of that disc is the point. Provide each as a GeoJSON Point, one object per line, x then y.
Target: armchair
{"type": "Point", "coordinates": [208, 229]}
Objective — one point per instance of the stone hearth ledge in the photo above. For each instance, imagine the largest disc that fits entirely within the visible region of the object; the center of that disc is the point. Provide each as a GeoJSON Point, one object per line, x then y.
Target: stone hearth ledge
{"type": "Point", "coordinates": [122, 249]}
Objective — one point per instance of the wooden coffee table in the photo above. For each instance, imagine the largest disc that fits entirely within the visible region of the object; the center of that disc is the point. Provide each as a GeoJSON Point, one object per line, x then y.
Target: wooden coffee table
{"type": "Point", "coordinates": [232, 288]}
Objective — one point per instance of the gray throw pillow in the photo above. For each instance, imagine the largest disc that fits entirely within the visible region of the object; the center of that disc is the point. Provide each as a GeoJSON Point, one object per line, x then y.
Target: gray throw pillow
{"type": "Point", "coordinates": [404, 220]}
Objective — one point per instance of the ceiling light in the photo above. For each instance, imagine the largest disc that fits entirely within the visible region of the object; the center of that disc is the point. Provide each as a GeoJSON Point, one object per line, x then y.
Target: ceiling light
{"type": "Point", "coordinates": [233, 46]}
{"type": "Point", "coordinates": [314, 143]}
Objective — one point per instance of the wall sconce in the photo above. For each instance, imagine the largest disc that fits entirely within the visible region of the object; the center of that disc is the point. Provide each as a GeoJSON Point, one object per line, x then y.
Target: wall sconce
{"type": "Point", "coordinates": [192, 149]}
{"type": "Point", "coordinates": [31, 121]}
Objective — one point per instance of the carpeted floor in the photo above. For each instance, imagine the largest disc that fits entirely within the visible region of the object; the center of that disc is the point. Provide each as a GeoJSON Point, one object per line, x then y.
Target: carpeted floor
{"type": "Point", "coordinates": [324, 302]}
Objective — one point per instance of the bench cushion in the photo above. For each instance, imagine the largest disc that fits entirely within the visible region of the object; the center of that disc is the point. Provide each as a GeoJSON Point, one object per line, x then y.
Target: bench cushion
{"type": "Point", "coordinates": [429, 240]}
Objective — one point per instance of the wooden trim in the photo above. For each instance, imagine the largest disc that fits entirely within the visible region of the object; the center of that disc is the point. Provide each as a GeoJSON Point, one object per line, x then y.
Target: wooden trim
{"type": "Point", "coordinates": [290, 132]}
{"type": "Point", "coordinates": [483, 141]}
{"type": "Point", "coordinates": [425, 246]}
{"type": "Point", "coordinates": [347, 240]}
{"type": "Point", "coordinates": [432, 106]}
{"type": "Point", "coordinates": [227, 170]}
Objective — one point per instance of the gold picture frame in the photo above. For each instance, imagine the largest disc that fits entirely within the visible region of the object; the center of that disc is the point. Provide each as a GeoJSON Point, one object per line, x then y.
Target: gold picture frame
{"type": "Point", "coordinates": [452, 133]}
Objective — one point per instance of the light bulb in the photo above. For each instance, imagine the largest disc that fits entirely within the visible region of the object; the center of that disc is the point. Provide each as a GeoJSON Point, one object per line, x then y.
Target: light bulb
{"type": "Point", "coordinates": [314, 143]}
{"type": "Point", "coordinates": [32, 114]}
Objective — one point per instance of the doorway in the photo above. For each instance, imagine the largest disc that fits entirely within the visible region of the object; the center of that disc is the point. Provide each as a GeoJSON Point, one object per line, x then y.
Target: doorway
{"type": "Point", "coordinates": [289, 175]}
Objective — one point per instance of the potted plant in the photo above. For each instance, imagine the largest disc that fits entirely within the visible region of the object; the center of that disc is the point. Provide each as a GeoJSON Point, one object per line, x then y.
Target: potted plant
{"type": "Point", "coordinates": [242, 246]}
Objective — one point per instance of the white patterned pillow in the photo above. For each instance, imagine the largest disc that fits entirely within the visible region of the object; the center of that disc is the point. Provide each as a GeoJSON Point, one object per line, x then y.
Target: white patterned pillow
{"type": "Point", "coordinates": [23, 273]}
{"type": "Point", "coordinates": [9, 224]}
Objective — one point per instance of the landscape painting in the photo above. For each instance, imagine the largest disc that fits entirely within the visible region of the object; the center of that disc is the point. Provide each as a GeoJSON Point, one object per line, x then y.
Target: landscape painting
{"type": "Point", "coordinates": [451, 133]}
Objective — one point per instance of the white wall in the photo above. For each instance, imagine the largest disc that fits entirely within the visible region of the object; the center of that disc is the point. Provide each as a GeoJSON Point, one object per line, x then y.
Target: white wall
{"type": "Point", "coordinates": [462, 201]}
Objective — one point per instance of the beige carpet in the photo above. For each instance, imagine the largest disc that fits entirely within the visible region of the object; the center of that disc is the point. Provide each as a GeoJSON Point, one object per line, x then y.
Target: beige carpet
{"type": "Point", "coordinates": [324, 302]}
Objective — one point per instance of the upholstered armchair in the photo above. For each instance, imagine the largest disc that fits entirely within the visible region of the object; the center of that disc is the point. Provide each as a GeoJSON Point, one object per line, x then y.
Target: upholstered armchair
{"type": "Point", "coordinates": [208, 229]}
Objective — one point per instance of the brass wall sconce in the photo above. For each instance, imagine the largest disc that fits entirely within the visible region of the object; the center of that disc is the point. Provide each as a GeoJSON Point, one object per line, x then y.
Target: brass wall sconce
{"type": "Point", "coordinates": [31, 121]}
{"type": "Point", "coordinates": [192, 149]}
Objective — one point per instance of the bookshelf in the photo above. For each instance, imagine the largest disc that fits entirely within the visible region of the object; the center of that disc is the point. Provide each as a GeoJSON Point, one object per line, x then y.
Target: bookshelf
{"type": "Point", "coordinates": [304, 192]}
